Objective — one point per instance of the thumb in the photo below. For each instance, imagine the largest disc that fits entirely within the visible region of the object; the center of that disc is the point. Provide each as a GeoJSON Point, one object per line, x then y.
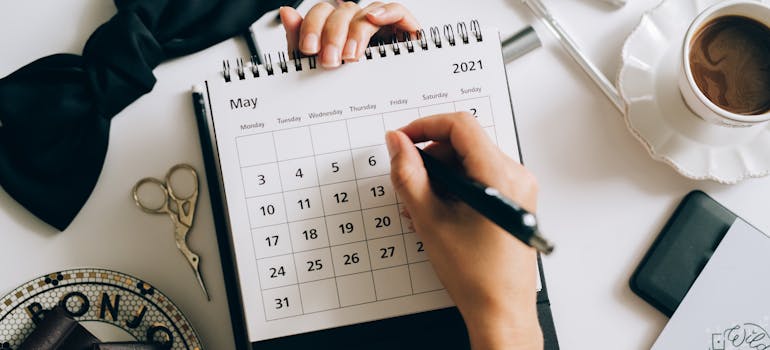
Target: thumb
{"type": "Point", "coordinates": [292, 22]}
{"type": "Point", "coordinates": [392, 14]}
{"type": "Point", "coordinates": [407, 171]}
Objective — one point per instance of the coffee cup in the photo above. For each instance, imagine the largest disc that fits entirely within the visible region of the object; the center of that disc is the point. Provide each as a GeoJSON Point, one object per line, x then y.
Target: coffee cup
{"type": "Point", "coordinates": [725, 75]}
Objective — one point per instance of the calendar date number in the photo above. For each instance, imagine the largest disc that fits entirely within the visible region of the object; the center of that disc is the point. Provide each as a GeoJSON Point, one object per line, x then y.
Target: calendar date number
{"type": "Point", "coordinates": [467, 66]}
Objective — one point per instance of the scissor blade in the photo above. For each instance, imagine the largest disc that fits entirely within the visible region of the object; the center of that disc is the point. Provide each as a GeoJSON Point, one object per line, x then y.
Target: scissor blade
{"type": "Point", "coordinates": [200, 282]}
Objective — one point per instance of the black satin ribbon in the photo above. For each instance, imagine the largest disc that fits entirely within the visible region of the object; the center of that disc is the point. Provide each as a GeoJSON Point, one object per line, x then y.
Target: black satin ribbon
{"type": "Point", "coordinates": [57, 331]}
{"type": "Point", "coordinates": [55, 112]}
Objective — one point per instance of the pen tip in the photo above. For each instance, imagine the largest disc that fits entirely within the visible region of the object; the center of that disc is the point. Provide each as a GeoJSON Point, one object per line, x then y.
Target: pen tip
{"type": "Point", "coordinates": [541, 244]}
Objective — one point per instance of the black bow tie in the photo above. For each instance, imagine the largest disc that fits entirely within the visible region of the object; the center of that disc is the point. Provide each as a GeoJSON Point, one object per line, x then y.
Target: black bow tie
{"type": "Point", "coordinates": [55, 112]}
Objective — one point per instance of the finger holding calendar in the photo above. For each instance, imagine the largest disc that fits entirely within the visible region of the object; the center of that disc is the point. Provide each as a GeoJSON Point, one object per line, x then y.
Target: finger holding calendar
{"type": "Point", "coordinates": [490, 275]}
{"type": "Point", "coordinates": [343, 32]}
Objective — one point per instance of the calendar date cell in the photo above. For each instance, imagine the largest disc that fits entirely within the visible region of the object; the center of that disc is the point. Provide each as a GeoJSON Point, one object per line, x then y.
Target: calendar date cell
{"type": "Point", "coordinates": [479, 108]}
{"type": "Point", "coordinates": [335, 167]}
{"type": "Point", "coordinates": [345, 228]}
{"type": "Point", "coordinates": [392, 282]}
{"type": "Point", "coordinates": [319, 295]}
{"type": "Point", "coordinates": [340, 198]}
{"type": "Point", "coordinates": [276, 271]}
{"type": "Point", "coordinates": [271, 241]}
{"type": "Point", "coordinates": [256, 149]}
{"type": "Point", "coordinates": [398, 119]}
{"type": "Point", "coordinates": [406, 223]}
{"type": "Point", "coordinates": [382, 222]}
{"type": "Point", "coordinates": [415, 248]}
{"type": "Point", "coordinates": [350, 258]}
{"type": "Point", "coordinates": [366, 131]}
{"type": "Point", "coordinates": [298, 173]}
{"type": "Point", "coordinates": [303, 204]}
{"type": "Point", "coordinates": [356, 289]}
{"type": "Point", "coordinates": [330, 137]}
{"type": "Point", "coordinates": [266, 210]}
{"type": "Point", "coordinates": [308, 234]}
{"type": "Point", "coordinates": [314, 265]}
{"type": "Point", "coordinates": [261, 180]}
{"type": "Point", "coordinates": [293, 143]}
{"type": "Point", "coordinates": [282, 302]}
{"type": "Point", "coordinates": [437, 109]}
{"type": "Point", "coordinates": [371, 161]}
{"type": "Point", "coordinates": [387, 252]}
{"type": "Point", "coordinates": [424, 278]}
{"type": "Point", "coordinates": [376, 192]}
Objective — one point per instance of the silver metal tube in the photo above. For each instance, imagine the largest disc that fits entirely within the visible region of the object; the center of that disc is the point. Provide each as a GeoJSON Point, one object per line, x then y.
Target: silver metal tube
{"type": "Point", "coordinates": [519, 44]}
{"type": "Point", "coordinates": [572, 49]}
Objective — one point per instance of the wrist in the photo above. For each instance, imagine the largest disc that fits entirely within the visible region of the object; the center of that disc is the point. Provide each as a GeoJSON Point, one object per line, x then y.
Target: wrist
{"type": "Point", "coordinates": [517, 330]}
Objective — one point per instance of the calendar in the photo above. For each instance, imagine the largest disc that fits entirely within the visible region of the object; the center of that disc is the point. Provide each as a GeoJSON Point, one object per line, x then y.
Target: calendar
{"type": "Point", "coordinates": [318, 233]}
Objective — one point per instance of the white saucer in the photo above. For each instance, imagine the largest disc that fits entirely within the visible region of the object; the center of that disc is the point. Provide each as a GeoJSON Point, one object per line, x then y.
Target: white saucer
{"type": "Point", "coordinates": [657, 115]}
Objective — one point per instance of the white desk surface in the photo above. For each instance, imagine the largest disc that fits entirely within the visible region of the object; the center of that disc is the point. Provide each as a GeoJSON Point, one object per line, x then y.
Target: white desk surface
{"type": "Point", "coordinates": [603, 200]}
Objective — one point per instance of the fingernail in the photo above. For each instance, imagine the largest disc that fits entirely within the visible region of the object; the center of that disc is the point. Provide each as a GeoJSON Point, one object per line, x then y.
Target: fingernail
{"type": "Point", "coordinates": [330, 57]}
{"type": "Point", "coordinates": [391, 140]}
{"type": "Point", "coordinates": [310, 43]}
{"type": "Point", "coordinates": [349, 53]}
{"type": "Point", "coordinates": [377, 12]}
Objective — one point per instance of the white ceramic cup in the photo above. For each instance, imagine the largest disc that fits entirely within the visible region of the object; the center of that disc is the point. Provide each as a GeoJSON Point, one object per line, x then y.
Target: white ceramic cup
{"type": "Point", "coordinates": [693, 96]}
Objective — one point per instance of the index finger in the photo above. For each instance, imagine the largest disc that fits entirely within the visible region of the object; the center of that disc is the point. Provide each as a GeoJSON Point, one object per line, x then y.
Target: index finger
{"type": "Point", "coordinates": [460, 129]}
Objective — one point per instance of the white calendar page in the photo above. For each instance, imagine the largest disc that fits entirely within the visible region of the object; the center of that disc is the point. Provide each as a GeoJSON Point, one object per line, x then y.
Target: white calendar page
{"type": "Point", "coordinates": [318, 236]}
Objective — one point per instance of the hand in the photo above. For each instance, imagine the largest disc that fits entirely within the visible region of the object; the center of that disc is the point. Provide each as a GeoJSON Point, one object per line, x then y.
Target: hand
{"type": "Point", "coordinates": [342, 33]}
{"type": "Point", "coordinates": [489, 274]}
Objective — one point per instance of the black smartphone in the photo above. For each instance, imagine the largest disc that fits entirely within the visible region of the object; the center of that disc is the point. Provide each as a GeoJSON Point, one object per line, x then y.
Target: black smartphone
{"type": "Point", "coordinates": [680, 251]}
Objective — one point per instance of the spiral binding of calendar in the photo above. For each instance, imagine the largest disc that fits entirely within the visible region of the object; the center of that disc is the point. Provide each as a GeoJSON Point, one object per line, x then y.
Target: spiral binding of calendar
{"type": "Point", "coordinates": [397, 46]}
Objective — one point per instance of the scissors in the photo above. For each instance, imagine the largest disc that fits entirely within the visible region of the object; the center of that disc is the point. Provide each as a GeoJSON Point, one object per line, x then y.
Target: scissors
{"type": "Point", "coordinates": [180, 209]}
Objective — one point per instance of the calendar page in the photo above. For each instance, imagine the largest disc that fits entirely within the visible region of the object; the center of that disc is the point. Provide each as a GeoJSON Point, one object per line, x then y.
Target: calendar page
{"type": "Point", "coordinates": [316, 226]}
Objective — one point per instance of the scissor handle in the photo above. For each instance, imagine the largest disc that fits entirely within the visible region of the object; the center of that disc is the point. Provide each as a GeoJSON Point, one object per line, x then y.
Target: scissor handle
{"type": "Point", "coordinates": [170, 187]}
{"type": "Point", "coordinates": [163, 208]}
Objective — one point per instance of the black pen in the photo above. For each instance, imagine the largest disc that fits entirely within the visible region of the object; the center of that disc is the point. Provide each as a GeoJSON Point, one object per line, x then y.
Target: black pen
{"type": "Point", "coordinates": [251, 41]}
{"type": "Point", "coordinates": [199, 104]}
{"type": "Point", "coordinates": [489, 202]}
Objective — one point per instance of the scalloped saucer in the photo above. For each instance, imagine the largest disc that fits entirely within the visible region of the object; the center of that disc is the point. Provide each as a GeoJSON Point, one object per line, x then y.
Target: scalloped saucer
{"type": "Point", "coordinates": [658, 116]}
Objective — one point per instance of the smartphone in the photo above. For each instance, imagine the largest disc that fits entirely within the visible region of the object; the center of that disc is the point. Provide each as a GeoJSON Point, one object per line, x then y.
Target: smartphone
{"type": "Point", "coordinates": [680, 251]}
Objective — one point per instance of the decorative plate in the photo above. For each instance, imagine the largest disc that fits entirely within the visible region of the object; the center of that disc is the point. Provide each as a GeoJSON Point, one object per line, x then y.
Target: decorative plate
{"type": "Point", "coordinates": [123, 303]}
{"type": "Point", "coordinates": [658, 116]}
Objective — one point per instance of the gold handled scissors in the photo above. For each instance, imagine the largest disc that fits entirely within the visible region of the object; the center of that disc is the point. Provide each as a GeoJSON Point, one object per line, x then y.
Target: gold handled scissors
{"type": "Point", "coordinates": [180, 209]}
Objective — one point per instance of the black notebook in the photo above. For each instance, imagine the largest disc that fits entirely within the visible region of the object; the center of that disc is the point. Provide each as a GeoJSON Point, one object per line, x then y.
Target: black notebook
{"type": "Point", "coordinates": [314, 249]}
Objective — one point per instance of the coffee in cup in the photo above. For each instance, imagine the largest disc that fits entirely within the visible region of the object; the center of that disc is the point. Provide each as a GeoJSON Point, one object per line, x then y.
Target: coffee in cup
{"type": "Point", "coordinates": [726, 64]}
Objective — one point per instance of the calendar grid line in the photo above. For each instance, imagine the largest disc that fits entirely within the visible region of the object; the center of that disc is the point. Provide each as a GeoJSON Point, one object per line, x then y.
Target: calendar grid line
{"type": "Point", "coordinates": [319, 186]}
{"type": "Point", "coordinates": [359, 304]}
{"type": "Point", "coordinates": [309, 164]}
{"type": "Point", "coordinates": [253, 247]}
{"type": "Point", "coordinates": [346, 274]}
{"type": "Point", "coordinates": [339, 213]}
{"type": "Point", "coordinates": [400, 224]}
{"type": "Point", "coordinates": [286, 217]}
{"type": "Point", "coordinates": [305, 157]}
{"type": "Point", "coordinates": [369, 115]}
{"type": "Point", "coordinates": [325, 153]}
{"type": "Point", "coordinates": [330, 245]}
{"type": "Point", "coordinates": [323, 207]}
{"type": "Point", "coordinates": [360, 205]}
{"type": "Point", "coordinates": [494, 125]}
{"type": "Point", "coordinates": [411, 284]}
